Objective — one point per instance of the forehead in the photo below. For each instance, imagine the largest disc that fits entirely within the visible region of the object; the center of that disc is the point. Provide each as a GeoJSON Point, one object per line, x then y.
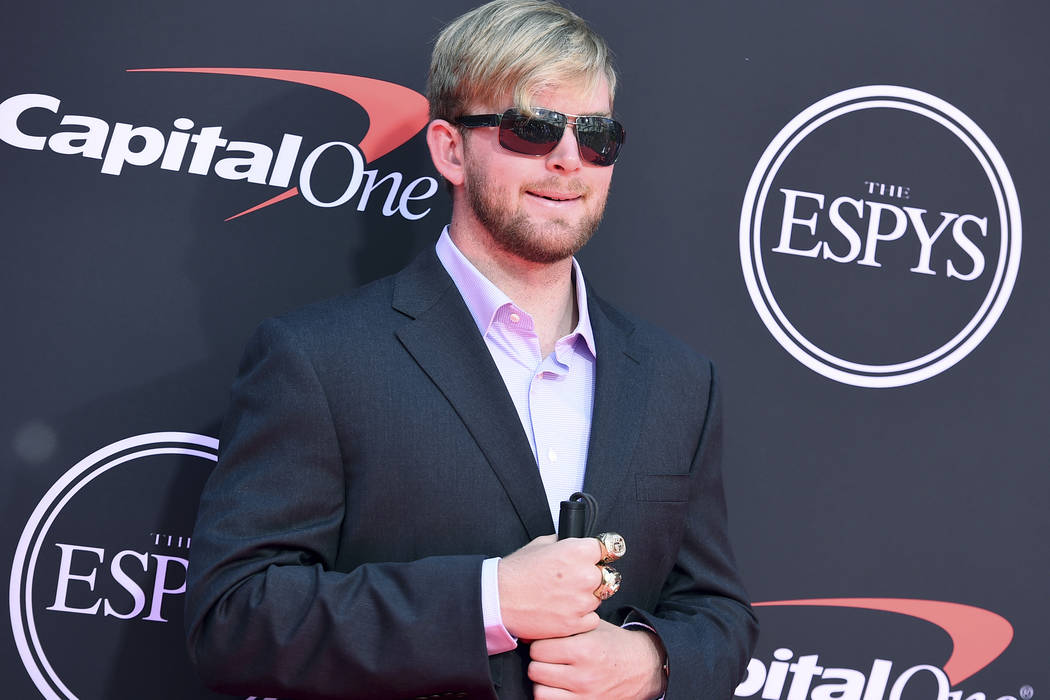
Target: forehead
{"type": "Point", "coordinates": [576, 96]}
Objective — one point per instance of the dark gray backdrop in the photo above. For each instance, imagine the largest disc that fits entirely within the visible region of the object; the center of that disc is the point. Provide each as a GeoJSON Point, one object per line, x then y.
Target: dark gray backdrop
{"type": "Point", "coordinates": [130, 298]}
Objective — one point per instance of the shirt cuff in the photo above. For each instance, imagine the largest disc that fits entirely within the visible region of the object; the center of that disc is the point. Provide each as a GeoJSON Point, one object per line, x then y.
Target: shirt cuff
{"type": "Point", "coordinates": [497, 638]}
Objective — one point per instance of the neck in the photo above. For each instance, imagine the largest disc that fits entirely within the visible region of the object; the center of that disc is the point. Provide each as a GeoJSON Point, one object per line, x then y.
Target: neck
{"type": "Point", "coordinates": [546, 291]}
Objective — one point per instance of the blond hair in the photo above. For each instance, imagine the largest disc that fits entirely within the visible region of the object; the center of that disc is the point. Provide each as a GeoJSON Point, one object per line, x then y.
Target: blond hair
{"type": "Point", "coordinates": [515, 47]}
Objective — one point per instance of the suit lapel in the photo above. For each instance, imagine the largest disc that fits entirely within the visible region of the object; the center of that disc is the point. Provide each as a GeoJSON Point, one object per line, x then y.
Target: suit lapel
{"type": "Point", "coordinates": [444, 340]}
{"type": "Point", "coordinates": [620, 390]}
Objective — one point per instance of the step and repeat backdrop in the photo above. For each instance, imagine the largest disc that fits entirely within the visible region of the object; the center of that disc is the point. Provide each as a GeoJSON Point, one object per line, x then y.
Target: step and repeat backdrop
{"type": "Point", "coordinates": [843, 204]}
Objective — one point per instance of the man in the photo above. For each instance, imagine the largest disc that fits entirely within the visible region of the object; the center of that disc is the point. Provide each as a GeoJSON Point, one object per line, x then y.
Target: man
{"type": "Point", "coordinates": [380, 521]}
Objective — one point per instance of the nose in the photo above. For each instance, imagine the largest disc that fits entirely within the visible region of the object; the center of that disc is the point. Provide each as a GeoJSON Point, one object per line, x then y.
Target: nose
{"type": "Point", "coordinates": [566, 155]}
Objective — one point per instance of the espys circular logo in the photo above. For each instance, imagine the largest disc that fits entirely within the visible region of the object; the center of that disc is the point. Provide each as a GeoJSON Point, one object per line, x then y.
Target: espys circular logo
{"type": "Point", "coordinates": [101, 565]}
{"type": "Point", "coordinates": [880, 236]}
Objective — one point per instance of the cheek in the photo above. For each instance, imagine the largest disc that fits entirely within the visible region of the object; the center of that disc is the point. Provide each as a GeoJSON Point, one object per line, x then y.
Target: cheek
{"type": "Point", "coordinates": [489, 173]}
{"type": "Point", "coordinates": [600, 184]}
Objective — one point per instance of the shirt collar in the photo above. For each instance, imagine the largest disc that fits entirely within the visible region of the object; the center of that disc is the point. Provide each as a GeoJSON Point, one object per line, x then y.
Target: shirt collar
{"type": "Point", "coordinates": [484, 299]}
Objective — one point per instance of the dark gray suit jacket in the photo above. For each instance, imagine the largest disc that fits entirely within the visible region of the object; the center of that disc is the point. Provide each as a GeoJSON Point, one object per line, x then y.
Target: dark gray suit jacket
{"type": "Point", "coordinates": [372, 459]}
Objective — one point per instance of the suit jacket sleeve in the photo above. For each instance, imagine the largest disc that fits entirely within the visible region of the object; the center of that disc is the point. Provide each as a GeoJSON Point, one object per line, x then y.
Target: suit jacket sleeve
{"type": "Point", "coordinates": [268, 613]}
{"type": "Point", "coordinates": [703, 616]}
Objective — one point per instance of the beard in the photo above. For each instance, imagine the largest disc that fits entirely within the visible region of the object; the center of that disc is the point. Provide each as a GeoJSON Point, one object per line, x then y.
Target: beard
{"type": "Point", "coordinates": [514, 232]}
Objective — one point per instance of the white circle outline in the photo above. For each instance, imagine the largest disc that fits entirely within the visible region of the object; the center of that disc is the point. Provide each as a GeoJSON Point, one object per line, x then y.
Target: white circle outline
{"type": "Point", "coordinates": [768, 293]}
{"type": "Point", "coordinates": [881, 96]}
{"type": "Point", "coordinates": [33, 535]}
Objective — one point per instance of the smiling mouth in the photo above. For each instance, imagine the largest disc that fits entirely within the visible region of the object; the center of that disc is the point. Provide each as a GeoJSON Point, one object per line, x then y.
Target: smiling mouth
{"type": "Point", "coordinates": [555, 196]}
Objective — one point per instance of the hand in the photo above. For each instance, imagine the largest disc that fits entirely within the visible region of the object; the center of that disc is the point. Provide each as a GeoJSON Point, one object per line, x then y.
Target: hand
{"type": "Point", "coordinates": [609, 662]}
{"type": "Point", "coordinates": [546, 588]}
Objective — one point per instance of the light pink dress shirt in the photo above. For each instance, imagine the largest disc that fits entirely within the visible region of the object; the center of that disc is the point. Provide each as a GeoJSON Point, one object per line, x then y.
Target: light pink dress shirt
{"type": "Point", "coordinates": [553, 395]}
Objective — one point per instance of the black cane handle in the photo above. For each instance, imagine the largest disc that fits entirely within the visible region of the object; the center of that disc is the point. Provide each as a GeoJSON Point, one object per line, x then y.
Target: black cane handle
{"type": "Point", "coordinates": [578, 516]}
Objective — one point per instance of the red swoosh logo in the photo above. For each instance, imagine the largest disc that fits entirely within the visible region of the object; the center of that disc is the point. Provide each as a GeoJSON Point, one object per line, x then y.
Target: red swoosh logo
{"type": "Point", "coordinates": [395, 113]}
{"type": "Point", "coordinates": [978, 636]}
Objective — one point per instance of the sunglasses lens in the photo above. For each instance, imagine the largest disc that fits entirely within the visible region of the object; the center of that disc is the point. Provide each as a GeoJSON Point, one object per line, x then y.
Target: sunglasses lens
{"type": "Point", "coordinates": [534, 136]}
{"type": "Point", "coordinates": [600, 139]}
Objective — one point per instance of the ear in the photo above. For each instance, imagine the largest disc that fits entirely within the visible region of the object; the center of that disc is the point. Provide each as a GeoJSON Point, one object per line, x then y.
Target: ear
{"type": "Point", "coordinates": [446, 150]}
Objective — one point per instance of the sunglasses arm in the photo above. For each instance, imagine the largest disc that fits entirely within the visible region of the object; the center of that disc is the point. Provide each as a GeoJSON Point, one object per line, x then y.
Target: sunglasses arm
{"type": "Point", "coordinates": [476, 120]}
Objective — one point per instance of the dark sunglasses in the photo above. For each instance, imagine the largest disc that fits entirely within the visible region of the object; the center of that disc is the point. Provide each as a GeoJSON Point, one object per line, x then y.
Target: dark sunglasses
{"type": "Point", "coordinates": [599, 138]}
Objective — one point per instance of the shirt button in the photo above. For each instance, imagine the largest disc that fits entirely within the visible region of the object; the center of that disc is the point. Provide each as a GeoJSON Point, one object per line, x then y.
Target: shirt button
{"type": "Point", "coordinates": [552, 455]}
{"type": "Point", "coordinates": [514, 318]}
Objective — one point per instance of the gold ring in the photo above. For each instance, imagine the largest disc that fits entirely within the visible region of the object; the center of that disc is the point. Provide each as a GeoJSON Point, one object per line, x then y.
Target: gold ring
{"type": "Point", "coordinates": [613, 545]}
{"type": "Point", "coordinates": [610, 583]}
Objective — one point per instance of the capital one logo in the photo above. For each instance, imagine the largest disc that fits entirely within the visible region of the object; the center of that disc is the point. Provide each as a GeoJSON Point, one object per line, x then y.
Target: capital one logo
{"type": "Point", "coordinates": [98, 576]}
{"type": "Point", "coordinates": [395, 114]}
{"type": "Point", "coordinates": [880, 236]}
{"type": "Point", "coordinates": [978, 637]}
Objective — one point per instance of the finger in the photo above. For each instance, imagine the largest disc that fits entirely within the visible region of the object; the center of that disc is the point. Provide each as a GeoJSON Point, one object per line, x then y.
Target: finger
{"type": "Point", "coordinates": [590, 621]}
{"type": "Point", "coordinates": [597, 546]}
{"type": "Point", "coordinates": [586, 549]}
{"type": "Point", "coordinates": [594, 576]}
{"type": "Point", "coordinates": [591, 548]}
{"type": "Point", "coordinates": [550, 651]}
{"type": "Point", "coordinates": [554, 676]}
{"type": "Point", "coordinates": [543, 692]}
{"type": "Point", "coordinates": [588, 604]}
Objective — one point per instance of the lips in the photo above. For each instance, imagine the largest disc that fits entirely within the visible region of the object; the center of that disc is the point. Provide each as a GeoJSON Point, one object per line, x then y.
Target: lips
{"type": "Point", "coordinates": [554, 196]}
